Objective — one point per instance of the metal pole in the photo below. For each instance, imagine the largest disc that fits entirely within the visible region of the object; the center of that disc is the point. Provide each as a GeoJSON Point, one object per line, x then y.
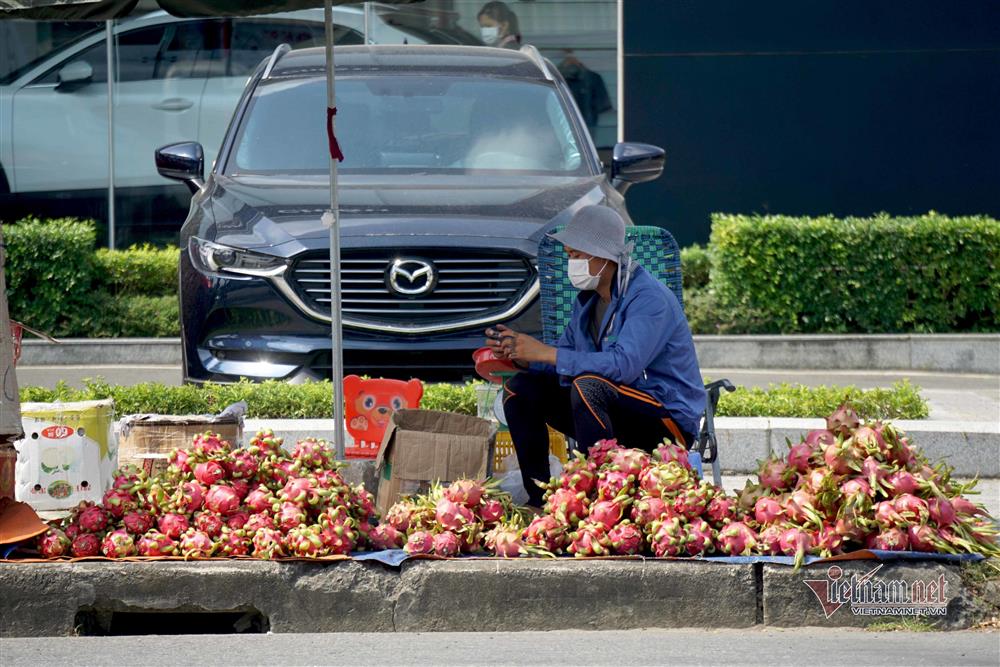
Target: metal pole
{"type": "Point", "coordinates": [368, 23]}
{"type": "Point", "coordinates": [331, 218]}
{"type": "Point", "coordinates": [109, 36]}
{"type": "Point", "coordinates": [620, 59]}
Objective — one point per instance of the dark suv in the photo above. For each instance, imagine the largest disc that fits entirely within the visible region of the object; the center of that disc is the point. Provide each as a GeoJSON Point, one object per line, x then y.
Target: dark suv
{"type": "Point", "coordinates": [458, 160]}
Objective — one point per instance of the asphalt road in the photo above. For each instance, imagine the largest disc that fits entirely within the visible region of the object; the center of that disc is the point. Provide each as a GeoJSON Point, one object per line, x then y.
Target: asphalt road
{"type": "Point", "coordinates": [774, 648]}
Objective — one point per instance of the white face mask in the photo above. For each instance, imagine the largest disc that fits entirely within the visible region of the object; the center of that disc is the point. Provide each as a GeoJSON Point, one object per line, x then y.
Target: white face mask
{"type": "Point", "coordinates": [490, 34]}
{"type": "Point", "coordinates": [579, 274]}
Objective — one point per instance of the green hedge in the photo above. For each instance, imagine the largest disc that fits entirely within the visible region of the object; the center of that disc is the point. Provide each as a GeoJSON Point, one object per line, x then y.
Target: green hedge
{"type": "Point", "coordinates": [695, 268]}
{"type": "Point", "coordinates": [779, 274]}
{"type": "Point", "coordinates": [277, 400]}
{"type": "Point", "coordinates": [59, 284]}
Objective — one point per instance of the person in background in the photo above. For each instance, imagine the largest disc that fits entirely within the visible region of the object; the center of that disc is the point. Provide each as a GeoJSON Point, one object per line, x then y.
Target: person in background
{"type": "Point", "coordinates": [498, 26]}
{"type": "Point", "coordinates": [625, 366]}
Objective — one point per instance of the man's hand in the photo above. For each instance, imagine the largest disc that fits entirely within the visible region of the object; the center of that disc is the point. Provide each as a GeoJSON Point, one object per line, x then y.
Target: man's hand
{"type": "Point", "coordinates": [522, 348]}
{"type": "Point", "coordinates": [494, 342]}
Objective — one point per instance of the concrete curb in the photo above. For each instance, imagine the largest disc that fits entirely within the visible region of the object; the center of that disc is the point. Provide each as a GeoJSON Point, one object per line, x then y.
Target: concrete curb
{"type": "Point", "coordinates": [954, 353]}
{"type": "Point", "coordinates": [972, 448]}
{"type": "Point", "coordinates": [459, 595]}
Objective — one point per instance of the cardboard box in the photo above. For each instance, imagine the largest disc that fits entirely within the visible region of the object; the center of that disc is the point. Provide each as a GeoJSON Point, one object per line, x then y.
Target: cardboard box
{"type": "Point", "coordinates": [423, 446]}
{"type": "Point", "coordinates": [146, 440]}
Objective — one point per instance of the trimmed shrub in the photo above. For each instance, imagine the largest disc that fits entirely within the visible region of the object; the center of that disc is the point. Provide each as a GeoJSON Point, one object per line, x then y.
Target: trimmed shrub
{"type": "Point", "coordinates": [141, 270]}
{"type": "Point", "coordinates": [128, 316]}
{"type": "Point", "coordinates": [932, 273]}
{"type": "Point", "coordinates": [695, 268]}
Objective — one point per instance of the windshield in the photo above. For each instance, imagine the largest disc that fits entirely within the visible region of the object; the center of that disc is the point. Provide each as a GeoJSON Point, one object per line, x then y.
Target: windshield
{"type": "Point", "coordinates": [394, 124]}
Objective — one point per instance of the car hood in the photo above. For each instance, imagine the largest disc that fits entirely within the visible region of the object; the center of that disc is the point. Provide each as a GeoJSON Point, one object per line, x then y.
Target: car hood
{"type": "Point", "coordinates": [285, 215]}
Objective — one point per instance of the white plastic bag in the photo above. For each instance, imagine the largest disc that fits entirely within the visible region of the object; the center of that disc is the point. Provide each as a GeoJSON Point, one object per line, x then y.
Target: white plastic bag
{"type": "Point", "coordinates": [510, 481]}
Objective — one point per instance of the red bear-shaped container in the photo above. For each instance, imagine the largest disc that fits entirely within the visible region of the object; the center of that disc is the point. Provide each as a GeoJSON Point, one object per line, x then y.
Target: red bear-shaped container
{"type": "Point", "coordinates": [369, 405]}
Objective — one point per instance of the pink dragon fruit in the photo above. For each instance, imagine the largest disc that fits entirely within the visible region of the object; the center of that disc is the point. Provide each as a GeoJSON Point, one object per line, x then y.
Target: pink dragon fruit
{"type": "Point", "coordinates": [305, 542]}
{"type": "Point", "coordinates": [339, 538]}
{"type": "Point", "coordinates": [901, 482]}
{"type": "Point", "coordinates": [301, 491]}
{"type": "Point", "coordinates": [598, 452]}
{"type": "Point", "coordinates": [767, 511]}
{"type": "Point", "coordinates": [768, 540]}
{"type": "Point", "coordinates": [721, 510]}
{"type": "Point", "coordinates": [775, 475]}
{"type": "Point", "coordinates": [173, 525]}
{"type": "Point", "coordinates": [238, 519]}
{"type": "Point", "coordinates": [290, 515]}
{"type": "Point", "coordinates": [911, 508]}
{"type": "Point", "coordinates": [796, 542]}
{"type": "Point", "coordinates": [849, 526]}
{"type": "Point", "coordinates": [93, 519]}
{"type": "Point", "coordinates": [118, 501]}
{"type": "Point", "coordinates": [578, 475]}
{"type": "Point", "coordinates": [691, 502]}
{"type": "Point", "coordinates": [874, 472]}
{"type": "Point", "coordinates": [841, 457]}
{"type": "Point", "coordinates": [54, 544]}
{"type": "Point", "coordinates": [196, 544]}
{"type": "Point", "coordinates": [233, 543]}
{"type": "Point", "coordinates": [843, 421]}
{"type": "Point", "coordinates": [453, 516]}
{"type": "Point", "coordinates": [856, 487]}
{"type": "Point", "coordinates": [819, 438]}
{"type": "Point", "coordinates": [363, 503]}
{"type": "Point", "coordinates": [626, 539]}
{"type": "Point", "coordinates": [886, 514]}
{"type": "Point", "coordinates": [86, 545]}
{"type": "Point", "coordinates": [264, 443]}
{"type": "Point", "coordinates": [648, 509]}
{"type": "Point", "coordinates": [260, 499]}
{"type": "Point", "coordinates": [546, 532]}
{"type": "Point", "coordinates": [258, 521]}
{"type": "Point", "coordinates": [419, 542]}
{"type": "Point", "coordinates": [222, 500]}
{"type": "Point", "coordinates": [209, 472]}
{"type": "Point", "coordinates": [241, 487]}
{"type": "Point", "coordinates": [491, 511]}
{"type": "Point", "coordinates": [138, 522]}
{"type": "Point", "coordinates": [613, 483]}
{"type": "Point", "coordinates": [504, 541]}
{"type": "Point", "coordinates": [241, 464]}
{"type": "Point", "coordinates": [209, 444]}
{"type": "Point", "coordinates": [128, 478]}
{"type": "Point", "coordinates": [268, 543]}
{"type": "Point", "coordinates": [800, 456]}
{"type": "Point", "coordinates": [961, 505]}
{"type": "Point", "coordinates": [889, 539]}
{"type": "Point", "coordinates": [72, 530]}
{"type": "Point", "coordinates": [277, 471]}
{"type": "Point", "coordinates": [668, 452]}
{"type": "Point", "coordinates": [629, 461]}
{"type": "Point", "coordinates": [667, 537]}
{"type": "Point", "coordinates": [664, 479]}
{"type": "Point", "coordinates": [384, 536]}
{"type": "Point", "coordinates": [313, 453]}
{"type": "Point", "coordinates": [190, 497]}
{"type": "Point", "coordinates": [118, 544]}
{"type": "Point", "coordinates": [608, 512]}
{"type": "Point", "coordinates": [941, 511]}
{"type": "Point", "coordinates": [466, 492]}
{"type": "Point", "coordinates": [155, 543]}
{"type": "Point", "coordinates": [820, 480]}
{"type": "Point", "coordinates": [209, 523]}
{"type": "Point", "coordinates": [447, 544]}
{"type": "Point", "coordinates": [828, 541]}
{"type": "Point", "coordinates": [800, 507]}
{"type": "Point", "coordinates": [736, 539]}
{"type": "Point", "coordinates": [567, 506]}
{"type": "Point", "coordinates": [179, 461]}
{"type": "Point", "coordinates": [922, 538]}
{"type": "Point", "coordinates": [589, 539]}
{"type": "Point", "coordinates": [699, 538]}
{"type": "Point", "coordinates": [747, 497]}
{"type": "Point", "coordinates": [869, 439]}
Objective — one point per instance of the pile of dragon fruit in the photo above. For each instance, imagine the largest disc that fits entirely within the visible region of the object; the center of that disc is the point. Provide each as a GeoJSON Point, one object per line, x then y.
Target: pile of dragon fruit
{"type": "Point", "coordinates": [216, 500]}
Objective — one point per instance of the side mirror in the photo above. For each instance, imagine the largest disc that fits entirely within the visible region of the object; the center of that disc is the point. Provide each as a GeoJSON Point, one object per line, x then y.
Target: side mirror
{"type": "Point", "coordinates": [183, 162]}
{"type": "Point", "coordinates": [74, 75]}
{"type": "Point", "coordinates": [633, 163]}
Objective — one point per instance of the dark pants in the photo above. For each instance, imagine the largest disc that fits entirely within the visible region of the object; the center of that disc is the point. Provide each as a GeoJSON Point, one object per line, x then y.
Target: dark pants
{"type": "Point", "coordinates": [592, 408]}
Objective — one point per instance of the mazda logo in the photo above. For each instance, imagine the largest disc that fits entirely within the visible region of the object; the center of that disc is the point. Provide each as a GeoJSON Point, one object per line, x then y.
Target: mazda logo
{"type": "Point", "coordinates": [411, 277]}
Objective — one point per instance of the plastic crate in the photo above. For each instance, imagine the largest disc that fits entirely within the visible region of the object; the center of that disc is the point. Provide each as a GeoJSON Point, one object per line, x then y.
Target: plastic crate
{"type": "Point", "coordinates": [505, 447]}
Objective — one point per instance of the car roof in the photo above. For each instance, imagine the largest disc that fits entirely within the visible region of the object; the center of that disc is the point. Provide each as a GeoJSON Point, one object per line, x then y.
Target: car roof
{"type": "Point", "coordinates": [413, 58]}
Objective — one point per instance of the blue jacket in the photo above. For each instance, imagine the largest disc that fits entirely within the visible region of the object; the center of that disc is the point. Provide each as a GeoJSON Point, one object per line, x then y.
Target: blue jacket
{"type": "Point", "coordinates": [648, 347]}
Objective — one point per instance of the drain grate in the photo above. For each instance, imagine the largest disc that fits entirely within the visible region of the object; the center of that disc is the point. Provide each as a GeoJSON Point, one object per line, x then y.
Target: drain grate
{"type": "Point", "coordinates": [98, 622]}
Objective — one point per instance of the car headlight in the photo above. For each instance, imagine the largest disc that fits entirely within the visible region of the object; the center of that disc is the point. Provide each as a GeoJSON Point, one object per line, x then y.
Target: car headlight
{"type": "Point", "coordinates": [215, 258]}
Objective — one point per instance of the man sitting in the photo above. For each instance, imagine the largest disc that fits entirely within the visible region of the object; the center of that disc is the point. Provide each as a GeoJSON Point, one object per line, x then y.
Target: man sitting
{"type": "Point", "coordinates": [624, 367]}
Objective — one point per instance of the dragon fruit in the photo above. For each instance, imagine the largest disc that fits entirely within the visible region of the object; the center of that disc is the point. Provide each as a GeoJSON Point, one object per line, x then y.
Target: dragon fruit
{"type": "Point", "coordinates": [237, 519]}
{"type": "Point", "coordinates": [800, 456]}
{"type": "Point", "coordinates": [767, 510]}
{"type": "Point", "coordinates": [856, 488]}
{"type": "Point", "coordinates": [820, 438]}
{"type": "Point", "coordinates": [241, 464]}
{"type": "Point", "coordinates": [313, 453]}
{"type": "Point", "coordinates": [190, 497]}
{"type": "Point", "coordinates": [93, 519]}
{"type": "Point", "coordinates": [209, 472]}
{"type": "Point", "coordinates": [736, 539]}
{"type": "Point", "coordinates": [258, 521]}
{"type": "Point", "coordinates": [241, 487]}
{"type": "Point", "coordinates": [768, 540]}
{"type": "Point", "coordinates": [889, 539]}
{"type": "Point", "coordinates": [491, 511]}
{"type": "Point", "coordinates": [173, 525]}
{"type": "Point", "coordinates": [260, 499]}
{"type": "Point", "coordinates": [339, 538]}
{"type": "Point", "coordinates": [72, 530]}
{"type": "Point", "coordinates": [911, 508]}
{"type": "Point", "coordinates": [447, 544]}
{"type": "Point", "coordinates": [841, 457]}
{"type": "Point", "coordinates": [612, 483]}
{"type": "Point", "coordinates": [209, 444]}
{"type": "Point", "coordinates": [466, 492]}
{"type": "Point", "coordinates": [290, 515]}
{"type": "Point", "coordinates": [128, 478]}
{"type": "Point", "coordinates": [419, 542]}
{"type": "Point", "coordinates": [922, 538]}
{"type": "Point", "coordinates": [629, 461]}
{"type": "Point", "coordinates": [800, 506]}
{"type": "Point", "coordinates": [118, 501]}
{"type": "Point", "coordinates": [608, 512]}
{"type": "Point", "coordinates": [626, 539]}
{"type": "Point", "coordinates": [843, 421]}
{"type": "Point", "coordinates": [691, 502]}
{"type": "Point", "coordinates": [699, 538]}
{"type": "Point", "coordinates": [86, 545]}
{"type": "Point", "coordinates": [567, 506]}
{"type": "Point", "coordinates": [828, 541]}
{"type": "Point", "coordinates": [589, 539]}
{"type": "Point", "coordinates": [869, 439]}
{"type": "Point", "coordinates": [453, 516]}
{"type": "Point", "coordinates": [963, 506]}
{"type": "Point", "coordinates": [941, 511]}
{"type": "Point", "coordinates": [901, 482]}
{"type": "Point", "coordinates": [54, 544]}
{"type": "Point", "coordinates": [363, 503]}
{"type": "Point", "coordinates": [264, 443]}
{"type": "Point", "coordinates": [578, 475]}
{"type": "Point", "coordinates": [886, 514]}
{"type": "Point", "coordinates": [546, 532]}
{"type": "Point", "coordinates": [648, 509]}
{"type": "Point", "coordinates": [179, 461]}
{"type": "Point", "coordinates": [795, 542]}
{"type": "Point", "coordinates": [384, 536]}
{"type": "Point", "coordinates": [268, 543]}
{"type": "Point", "coordinates": [664, 479]}
{"type": "Point", "coordinates": [505, 541]}
{"type": "Point", "coordinates": [196, 544]}
{"type": "Point", "coordinates": [667, 537]}
{"type": "Point", "coordinates": [668, 452]}
{"type": "Point", "coordinates": [874, 472]}
{"type": "Point", "coordinates": [301, 491]}
{"type": "Point", "coordinates": [305, 542]}
{"type": "Point", "coordinates": [118, 544]}
{"type": "Point", "coordinates": [222, 500]}
{"type": "Point", "coordinates": [233, 543]}
{"type": "Point", "coordinates": [598, 452]}
{"type": "Point", "coordinates": [138, 522]}
{"type": "Point", "coordinates": [155, 543]}
{"type": "Point", "coordinates": [721, 510]}
{"type": "Point", "coordinates": [775, 475]}
{"type": "Point", "coordinates": [209, 523]}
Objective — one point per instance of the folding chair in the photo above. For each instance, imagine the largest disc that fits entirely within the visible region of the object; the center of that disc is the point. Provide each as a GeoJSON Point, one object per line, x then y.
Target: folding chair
{"type": "Point", "coordinates": [656, 250]}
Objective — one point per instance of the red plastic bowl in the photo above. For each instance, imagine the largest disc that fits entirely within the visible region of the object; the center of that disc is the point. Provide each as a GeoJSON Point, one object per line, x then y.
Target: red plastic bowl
{"type": "Point", "coordinates": [487, 365]}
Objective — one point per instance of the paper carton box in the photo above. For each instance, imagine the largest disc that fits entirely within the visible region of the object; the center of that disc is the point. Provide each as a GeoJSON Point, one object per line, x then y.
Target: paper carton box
{"type": "Point", "coordinates": [423, 446]}
{"type": "Point", "coordinates": [147, 440]}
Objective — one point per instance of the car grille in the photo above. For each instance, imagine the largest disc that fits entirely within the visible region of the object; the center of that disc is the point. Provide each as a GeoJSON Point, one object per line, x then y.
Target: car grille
{"type": "Point", "coordinates": [470, 285]}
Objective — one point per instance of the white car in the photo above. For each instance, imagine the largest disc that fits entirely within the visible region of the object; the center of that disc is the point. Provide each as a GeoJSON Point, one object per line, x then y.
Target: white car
{"type": "Point", "coordinates": [179, 79]}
